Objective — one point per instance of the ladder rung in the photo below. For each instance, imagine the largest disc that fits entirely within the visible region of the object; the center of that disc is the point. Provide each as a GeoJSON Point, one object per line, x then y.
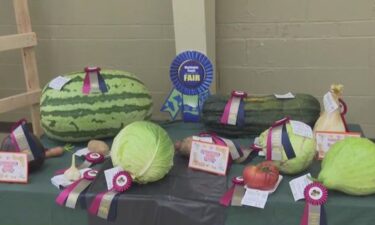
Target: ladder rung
{"type": "Point", "coordinates": [17, 41]}
{"type": "Point", "coordinates": [19, 101]}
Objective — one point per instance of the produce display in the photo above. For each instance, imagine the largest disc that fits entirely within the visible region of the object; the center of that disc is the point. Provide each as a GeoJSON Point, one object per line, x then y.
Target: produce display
{"type": "Point", "coordinates": [143, 149]}
{"type": "Point", "coordinates": [304, 149]}
{"type": "Point", "coordinates": [349, 167]}
{"type": "Point", "coordinates": [70, 115]}
{"type": "Point", "coordinates": [263, 176]}
{"type": "Point", "coordinates": [333, 120]}
{"type": "Point", "coordinates": [260, 113]}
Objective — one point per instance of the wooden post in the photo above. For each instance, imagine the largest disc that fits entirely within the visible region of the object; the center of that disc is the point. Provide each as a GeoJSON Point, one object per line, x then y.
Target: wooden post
{"type": "Point", "coordinates": [194, 28]}
{"type": "Point", "coordinates": [29, 60]}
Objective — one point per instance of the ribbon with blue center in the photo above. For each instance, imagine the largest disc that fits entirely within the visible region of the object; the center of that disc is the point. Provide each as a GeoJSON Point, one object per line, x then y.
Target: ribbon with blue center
{"type": "Point", "coordinates": [191, 73]}
{"type": "Point", "coordinates": [93, 81]}
{"type": "Point", "coordinates": [278, 141]}
{"type": "Point", "coordinates": [234, 111]}
{"type": "Point", "coordinates": [316, 196]}
{"type": "Point", "coordinates": [22, 140]}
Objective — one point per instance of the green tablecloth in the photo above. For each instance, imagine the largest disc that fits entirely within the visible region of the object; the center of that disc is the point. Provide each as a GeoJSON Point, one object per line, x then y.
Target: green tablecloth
{"type": "Point", "coordinates": [34, 203]}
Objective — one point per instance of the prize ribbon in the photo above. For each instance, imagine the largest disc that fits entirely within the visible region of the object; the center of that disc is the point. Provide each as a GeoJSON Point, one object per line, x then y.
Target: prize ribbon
{"type": "Point", "coordinates": [314, 214]}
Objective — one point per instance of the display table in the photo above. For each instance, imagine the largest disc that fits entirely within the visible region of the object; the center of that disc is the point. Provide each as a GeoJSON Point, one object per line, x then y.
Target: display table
{"type": "Point", "coordinates": [34, 203]}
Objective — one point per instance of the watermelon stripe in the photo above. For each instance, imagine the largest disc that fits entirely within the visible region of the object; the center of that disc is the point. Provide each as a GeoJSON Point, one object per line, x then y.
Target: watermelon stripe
{"type": "Point", "coordinates": [79, 112]}
{"type": "Point", "coordinates": [106, 77]}
{"type": "Point", "coordinates": [92, 99]}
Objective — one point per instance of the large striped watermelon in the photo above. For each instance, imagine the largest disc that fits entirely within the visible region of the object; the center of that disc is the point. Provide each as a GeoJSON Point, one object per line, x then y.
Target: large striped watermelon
{"type": "Point", "coordinates": [69, 115]}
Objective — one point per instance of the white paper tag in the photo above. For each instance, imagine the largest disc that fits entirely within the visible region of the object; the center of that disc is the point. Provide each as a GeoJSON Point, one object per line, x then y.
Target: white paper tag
{"type": "Point", "coordinates": [109, 174]}
{"type": "Point", "coordinates": [82, 152]}
{"type": "Point", "coordinates": [302, 129]}
{"type": "Point", "coordinates": [59, 82]}
{"type": "Point", "coordinates": [255, 198]}
{"type": "Point", "coordinates": [329, 102]}
{"type": "Point", "coordinates": [61, 181]}
{"type": "Point", "coordinates": [298, 185]}
{"type": "Point", "coordinates": [274, 188]}
{"type": "Point", "coordinates": [203, 139]}
{"type": "Point", "coordinates": [285, 96]}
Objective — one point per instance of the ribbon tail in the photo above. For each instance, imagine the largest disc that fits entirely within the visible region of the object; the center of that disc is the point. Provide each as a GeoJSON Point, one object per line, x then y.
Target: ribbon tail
{"type": "Point", "coordinates": [269, 145]}
{"type": "Point", "coordinates": [86, 85]}
{"type": "Point", "coordinates": [94, 207]}
{"type": "Point", "coordinates": [172, 104]}
{"type": "Point", "coordinates": [305, 217]}
{"type": "Point", "coordinates": [323, 216]}
{"type": "Point", "coordinates": [227, 197]}
{"type": "Point", "coordinates": [102, 84]}
{"type": "Point", "coordinates": [112, 214]}
{"type": "Point", "coordinates": [225, 115]}
{"type": "Point", "coordinates": [61, 198]}
{"type": "Point", "coordinates": [241, 114]}
{"type": "Point", "coordinates": [190, 108]}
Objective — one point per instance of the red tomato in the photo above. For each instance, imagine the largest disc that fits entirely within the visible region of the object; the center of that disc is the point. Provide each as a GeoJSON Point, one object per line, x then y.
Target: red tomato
{"type": "Point", "coordinates": [263, 176]}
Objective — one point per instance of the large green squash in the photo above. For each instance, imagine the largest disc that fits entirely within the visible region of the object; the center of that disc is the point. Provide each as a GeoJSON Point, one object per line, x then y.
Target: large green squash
{"type": "Point", "coordinates": [260, 112]}
{"type": "Point", "coordinates": [349, 166]}
{"type": "Point", "coordinates": [69, 115]}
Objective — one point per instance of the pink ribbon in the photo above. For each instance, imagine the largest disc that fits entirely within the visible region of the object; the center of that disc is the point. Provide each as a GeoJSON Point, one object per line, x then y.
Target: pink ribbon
{"type": "Point", "coordinates": [96, 203]}
{"type": "Point", "coordinates": [269, 136]}
{"type": "Point", "coordinates": [226, 199]}
{"type": "Point", "coordinates": [86, 84]}
{"type": "Point", "coordinates": [65, 193]}
{"type": "Point", "coordinates": [12, 137]}
{"type": "Point", "coordinates": [343, 113]}
{"type": "Point", "coordinates": [235, 94]}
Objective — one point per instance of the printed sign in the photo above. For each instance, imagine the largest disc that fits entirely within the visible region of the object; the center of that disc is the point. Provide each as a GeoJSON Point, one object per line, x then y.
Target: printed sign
{"type": "Point", "coordinates": [325, 139]}
{"type": "Point", "coordinates": [13, 167]}
{"type": "Point", "coordinates": [209, 157]}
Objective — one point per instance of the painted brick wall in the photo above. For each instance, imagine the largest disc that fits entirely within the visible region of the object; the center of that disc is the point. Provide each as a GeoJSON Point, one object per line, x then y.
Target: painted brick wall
{"type": "Point", "coordinates": [267, 46]}
{"type": "Point", "coordinates": [263, 46]}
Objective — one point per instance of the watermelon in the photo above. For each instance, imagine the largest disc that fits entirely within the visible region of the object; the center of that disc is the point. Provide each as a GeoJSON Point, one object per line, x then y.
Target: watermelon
{"type": "Point", "coordinates": [69, 115]}
{"type": "Point", "coordinates": [260, 113]}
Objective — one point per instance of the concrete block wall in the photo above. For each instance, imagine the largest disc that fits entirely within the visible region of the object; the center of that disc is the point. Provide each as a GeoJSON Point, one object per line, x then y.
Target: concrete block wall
{"type": "Point", "coordinates": [263, 46]}
{"type": "Point", "coordinates": [268, 46]}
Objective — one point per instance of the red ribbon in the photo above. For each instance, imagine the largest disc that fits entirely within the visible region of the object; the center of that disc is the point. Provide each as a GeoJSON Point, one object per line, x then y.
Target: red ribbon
{"type": "Point", "coordinates": [226, 199]}
{"type": "Point", "coordinates": [343, 113]}
{"type": "Point", "coordinates": [269, 136]}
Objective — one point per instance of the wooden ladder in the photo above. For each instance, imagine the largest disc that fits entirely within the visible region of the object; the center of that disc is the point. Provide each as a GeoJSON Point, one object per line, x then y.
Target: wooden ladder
{"type": "Point", "coordinates": [24, 40]}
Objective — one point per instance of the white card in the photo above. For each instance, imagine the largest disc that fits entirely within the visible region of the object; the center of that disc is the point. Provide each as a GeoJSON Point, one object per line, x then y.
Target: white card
{"type": "Point", "coordinates": [298, 185]}
{"type": "Point", "coordinates": [274, 188]}
{"type": "Point", "coordinates": [109, 174]}
{"type": "Point", "coordinates": [58, 83]}
{"type": "Point", "coordinates": [302, 129]}
{"type": "Point", "coordinates": [285, 96]}
{"type": "Point", "coordinates": [61, 181]}
{"type": "Point", "coordinates": [203, 139]}
{"type": "Point", "coordinates": [329, 102]}
{"type": "Point", "coordinates": [255, 198]}
{"type": "Point", "coordinates": [82, 152]}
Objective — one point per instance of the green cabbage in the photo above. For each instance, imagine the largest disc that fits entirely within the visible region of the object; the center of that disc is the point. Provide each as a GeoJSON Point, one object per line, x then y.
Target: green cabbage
{"type": "Point", "coordinates": [348, 166]}
{"type": "Point", "coordinates": [143, 149]}
{"type": "Point", "coordinates": [304, 149]}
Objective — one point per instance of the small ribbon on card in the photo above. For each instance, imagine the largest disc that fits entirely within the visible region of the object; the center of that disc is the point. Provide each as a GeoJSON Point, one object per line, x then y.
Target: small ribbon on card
{"type": "Point", "coordinates": [105, 203]}
{"type": "Point", "coordinates": [234, 148]}
{"type": "Point", "coordinates": [93, 81]}
{"type": "Point", "coordinates": [278, 141]}
{"type": "Point", "coordinates": [234, 111]}
{"type": "Point", "coordinates": [71, 195]}
{"type": "Point", "coordinates": [316, 196]}
{"type": "Point", "coordinates": [226, 199]}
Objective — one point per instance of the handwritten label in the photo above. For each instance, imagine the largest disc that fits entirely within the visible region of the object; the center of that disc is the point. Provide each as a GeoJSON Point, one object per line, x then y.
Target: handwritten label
{"type": "Point", "coordinates": [209, 157]}
{"type": "Point", "coordinates": [58, 83]}
{"type": "Point", "coordinates": [109, 174]}
{"type": "Point", "coordinates": [82, 152]}
{"type": "Point", "coordinates": [325, 139]}
{"type": "Point", "coordinates": [288, 95]}
{"type": "Point", "coordinates": [329, 102]}
{"type": "Point", "coordinates": [13, 167]}
{"type": "Point", "coordinates": [298, 185]}
{"type": "Point", "coordinates": [302, 129]}
{"type": "Point", "coordinates": [255, 198]}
